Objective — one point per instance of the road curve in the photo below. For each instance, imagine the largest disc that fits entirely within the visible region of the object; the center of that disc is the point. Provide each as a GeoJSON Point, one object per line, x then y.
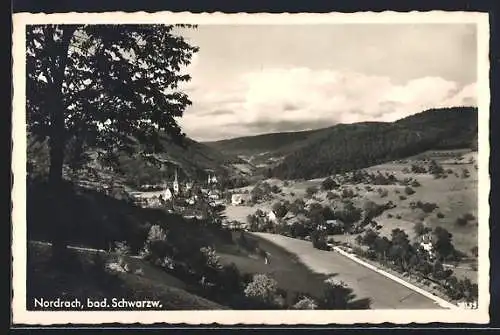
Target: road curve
{"type": "Point", "coordinates": [366, 283]}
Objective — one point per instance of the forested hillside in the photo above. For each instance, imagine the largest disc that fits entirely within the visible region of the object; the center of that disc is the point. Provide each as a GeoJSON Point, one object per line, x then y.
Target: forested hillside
{"type": "Point", "coordinates": [354, 146]}
{"type": "Point", "coordinates": [274, 142]}
{"type": "Point", "coordinates": [192, 161]}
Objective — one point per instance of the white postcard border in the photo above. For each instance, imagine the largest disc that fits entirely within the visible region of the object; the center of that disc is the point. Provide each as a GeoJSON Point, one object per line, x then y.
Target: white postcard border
{"type": "Point", "coordinates": [289, 317]}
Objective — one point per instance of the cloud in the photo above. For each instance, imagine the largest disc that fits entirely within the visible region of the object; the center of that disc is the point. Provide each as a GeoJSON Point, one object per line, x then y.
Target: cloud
{"type": "Point", "coordinates": [291, 99]}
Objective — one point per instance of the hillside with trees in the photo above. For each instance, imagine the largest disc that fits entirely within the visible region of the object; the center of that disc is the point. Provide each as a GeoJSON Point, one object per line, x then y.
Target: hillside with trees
{"type": "Point", "coordinates": [347, 147]}
{"type": "Point", "coordinates": [270, 143]}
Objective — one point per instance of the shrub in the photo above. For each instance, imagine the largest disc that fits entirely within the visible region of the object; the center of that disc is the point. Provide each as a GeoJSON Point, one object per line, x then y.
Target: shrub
{"type": "Point", "coordinates": [440, 215]}
{"type": "Point", "coordinates": [368, 188]}
{"type": "Point", "coordinates": [427, 207]}
{"type": "Point", "coordinates": [461, 221]}
{"type": "Point", "coordinates": [328, 184]}
{"type": "Point", "coordinates": [402, 197]}
{"type": "Point", "coordinates": [155, 245]}
{"type": "Point", "coordinates": [211, 259]}
{"type": "Point", "coordinates": [409, 190]}
{"type": "Point", "coordinates": [311, 190]}
{"type": "Point", "coordinates": [469, 217]}
{"type": "Point", "coordinates": [305, 303]}
{"type": "Point", "coordinates": [398, 217]}
{"type": "Point", "coordinates": [336, 295]}
{"type": "Point", "coordinates": [419, 228]}
{"type": "Point", "coordinates": [389, 216]}
{"type": "Point", "coordinates": [262, 289]}
{"type": "Point", "coordinates": [122, 248]}
{"type": "Point", "coordinates": [465, 173]}
{"type": "Point", "coordinates": [415, 183]}
{"type": "Point", "coordinates": [331, 195]}
{"type": "Point", "coordinates": [275, 189]}
{"type": "Point", "coordinates": [348, 193]}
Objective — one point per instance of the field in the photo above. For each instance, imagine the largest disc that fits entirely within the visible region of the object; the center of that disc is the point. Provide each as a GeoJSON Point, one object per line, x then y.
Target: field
{"type": "Point", "coordinates": [454, 197]}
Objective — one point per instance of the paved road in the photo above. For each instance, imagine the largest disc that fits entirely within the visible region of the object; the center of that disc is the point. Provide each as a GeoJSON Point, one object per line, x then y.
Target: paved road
{"type": "Point", "coordinates": [366, 283]}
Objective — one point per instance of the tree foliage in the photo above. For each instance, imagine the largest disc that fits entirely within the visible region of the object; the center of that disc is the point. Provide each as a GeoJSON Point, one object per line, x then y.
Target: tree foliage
{"type": "Point", "coordinates": [107, 85]}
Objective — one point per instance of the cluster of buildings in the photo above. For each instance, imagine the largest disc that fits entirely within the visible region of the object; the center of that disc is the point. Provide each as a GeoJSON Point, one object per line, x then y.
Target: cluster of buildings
{"type": "Point", "coordinates": [178, 196]}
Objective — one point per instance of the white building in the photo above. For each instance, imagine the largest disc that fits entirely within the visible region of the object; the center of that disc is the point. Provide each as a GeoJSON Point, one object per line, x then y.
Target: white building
{"type": "Point", "coordinates": [271, 216]}
{"type": "Point", "coordinates": [212, 179]}
{"type": "Point", "coordinates": [426, 244]}
{"type": "Point", "coordinates": [167, 195]}
{"type": "Point", "coordinates": [237, 199]}
{"type": "Point", "coordinates": [213, 195]}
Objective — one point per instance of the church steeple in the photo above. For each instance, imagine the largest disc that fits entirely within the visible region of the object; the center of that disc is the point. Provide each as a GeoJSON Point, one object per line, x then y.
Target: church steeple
{"type": "Point", "coordinates": [176, 183]}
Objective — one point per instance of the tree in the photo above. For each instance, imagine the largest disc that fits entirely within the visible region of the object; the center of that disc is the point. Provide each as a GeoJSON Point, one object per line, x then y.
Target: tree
{"type": "Point", "coordinates": [328, 184]}
{"type": "Point", "coordinates": [419, 228]}
{"type": "Point", "coordinates": [311, 190]}
{"type": "Point", "coordinates": [305, 303]}
{"type": "Point", "coordinates": [103, 84]}
{"type": "Point", "coordinates": [442, 243]}
{"type": "Point", "coordinates": [113, 87]}
{"type": "Point", "coordinates": [369, 238]}
{"type": "Point", "coordinates": [336, 295]}
{"type": "Point", "coordinates": [280, 209]}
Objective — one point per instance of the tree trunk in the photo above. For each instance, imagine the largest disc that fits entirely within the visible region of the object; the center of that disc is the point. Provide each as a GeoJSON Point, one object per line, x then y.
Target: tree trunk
{"type": "Point", "coordinates": [57, 144]}
{"type": "Point", "coordinates": [57, 135]}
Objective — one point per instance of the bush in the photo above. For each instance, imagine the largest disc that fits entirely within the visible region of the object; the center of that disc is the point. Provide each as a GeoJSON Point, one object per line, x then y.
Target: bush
{"type": "Point", "coordinates": [461, 221]}
{"type": "Point", "coordinates": [305, 303]}
{"type": "Point", "coordinates": [419, 228]}
{"type": "Point", "coordinates": [122, 248]}
{"type": "Point", "coordinates": [311, 190]}
{"type": "Point", "coordinates": [328, 184]}
{"type": "Point", "coordinates": [389, 216]}
{"type": "Point", "coordinates": [415, 183]}
{"type": "Point", "coordinates": [402, 197]}
{"type": "Point", "coordinates": [427, 207]}
{"type": "Point", "coordinates": [336, 295]}
{"type": "Point", "coordinates": [398, 217]}
{"type": "Point", "coordinates": [409, 190]}
{"type": "Point", "coordinates": [440, 215]}
{"type": "Point", "coordinates": [348, 193]}
{"type": "Point", "coordinates": [469, 217]}
{"type": "Point", "coordinates": [465, 173]}
{"type": "Point", "coordinates": [262, 289]}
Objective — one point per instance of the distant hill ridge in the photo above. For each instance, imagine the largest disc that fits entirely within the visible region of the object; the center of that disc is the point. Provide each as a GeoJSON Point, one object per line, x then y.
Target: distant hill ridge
{"type": "Point", "coordinates": [343, 147]}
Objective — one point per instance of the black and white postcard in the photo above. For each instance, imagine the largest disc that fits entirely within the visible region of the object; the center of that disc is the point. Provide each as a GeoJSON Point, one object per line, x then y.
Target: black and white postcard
{"type": "Point", "coordinates": [250, 168]}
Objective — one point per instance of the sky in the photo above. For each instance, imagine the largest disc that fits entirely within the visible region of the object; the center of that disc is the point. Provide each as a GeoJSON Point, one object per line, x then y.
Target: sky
{"type": "Point", "coordinates": [255, 79]}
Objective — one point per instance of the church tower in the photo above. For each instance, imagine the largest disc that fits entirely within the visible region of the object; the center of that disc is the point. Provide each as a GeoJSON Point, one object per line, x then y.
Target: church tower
{"type": "Point", "coordinates": [176, 183]}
